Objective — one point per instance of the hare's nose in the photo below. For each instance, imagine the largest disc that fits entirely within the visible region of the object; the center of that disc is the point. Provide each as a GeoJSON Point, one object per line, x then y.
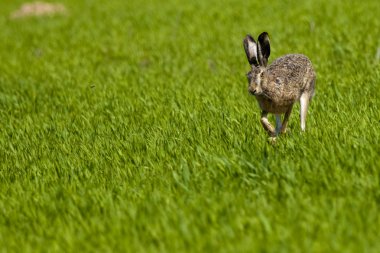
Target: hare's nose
{"type": "Point", "coordinates": [252, 91]}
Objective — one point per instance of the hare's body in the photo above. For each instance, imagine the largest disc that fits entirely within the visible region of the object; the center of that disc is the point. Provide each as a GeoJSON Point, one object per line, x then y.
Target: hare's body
{"type": "Point", "coordinates": [277, 87]}
{"type": "Point", "coordinates": [284, 81]}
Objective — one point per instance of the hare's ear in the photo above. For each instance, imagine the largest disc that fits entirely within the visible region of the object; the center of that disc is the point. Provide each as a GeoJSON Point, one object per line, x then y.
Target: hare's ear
{"type": "Point", "coordinates": [250, 48]}
{"type": "Point", "coordinates": [263, 49]}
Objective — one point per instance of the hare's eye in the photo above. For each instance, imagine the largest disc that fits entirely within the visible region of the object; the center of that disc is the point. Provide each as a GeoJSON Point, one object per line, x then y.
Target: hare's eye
{"type": "Point", "coordinates": [249, 76]}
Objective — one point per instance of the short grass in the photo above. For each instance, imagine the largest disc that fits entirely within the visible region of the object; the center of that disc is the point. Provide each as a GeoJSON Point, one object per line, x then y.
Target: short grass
{"type": "Point", "coordinates": [126, 126]}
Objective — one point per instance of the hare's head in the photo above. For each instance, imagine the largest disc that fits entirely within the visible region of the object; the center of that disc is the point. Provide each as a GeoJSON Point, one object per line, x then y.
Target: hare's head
{"type": "Point", "coordinates": [257, 55]}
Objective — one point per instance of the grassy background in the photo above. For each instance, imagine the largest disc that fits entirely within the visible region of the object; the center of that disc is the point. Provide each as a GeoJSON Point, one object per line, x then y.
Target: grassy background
{"type": "Point", "coordinates": [126, 126]}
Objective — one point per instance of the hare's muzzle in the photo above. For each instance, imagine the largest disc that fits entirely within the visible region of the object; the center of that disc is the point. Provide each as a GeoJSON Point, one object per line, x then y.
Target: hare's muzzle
{"type": "Point", "coordinates": [252, 90]}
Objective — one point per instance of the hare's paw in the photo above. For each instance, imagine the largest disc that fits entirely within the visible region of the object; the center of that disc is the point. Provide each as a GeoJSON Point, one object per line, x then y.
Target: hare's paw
{"type": "Point", "coordinates": [272, 140]}
{"type": "Point", "coordinates": [286, 131]}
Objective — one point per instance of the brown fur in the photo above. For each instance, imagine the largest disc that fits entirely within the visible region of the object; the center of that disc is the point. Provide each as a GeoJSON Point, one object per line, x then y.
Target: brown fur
{"type": "Point", "coordinates": [284, 81]}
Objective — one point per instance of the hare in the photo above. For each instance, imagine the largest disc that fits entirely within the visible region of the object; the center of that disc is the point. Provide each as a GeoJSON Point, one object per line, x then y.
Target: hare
{"type": "Point", "coordinates": [277, 87]}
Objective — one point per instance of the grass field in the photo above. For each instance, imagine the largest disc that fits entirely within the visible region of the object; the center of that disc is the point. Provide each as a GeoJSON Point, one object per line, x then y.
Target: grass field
{"type": "Point", "coordinates": [127, 126]}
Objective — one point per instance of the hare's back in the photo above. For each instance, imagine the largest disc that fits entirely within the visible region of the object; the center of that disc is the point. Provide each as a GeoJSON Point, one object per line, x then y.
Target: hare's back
{"type": "Point", "coordinates": [293, 67]}
{"type": "Point", "coordinates": [288, 76]}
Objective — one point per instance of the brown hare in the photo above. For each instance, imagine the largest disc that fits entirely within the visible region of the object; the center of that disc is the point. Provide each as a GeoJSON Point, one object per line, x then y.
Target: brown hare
{"type": "Point", "coordinates": [278, 86]}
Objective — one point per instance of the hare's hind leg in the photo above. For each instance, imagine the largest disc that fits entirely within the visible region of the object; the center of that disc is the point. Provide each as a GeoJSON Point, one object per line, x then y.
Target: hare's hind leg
{"type": "Point", "coordinates": [266, 124]}
{"type": "Point", "coordinates": [286, 119]}
{"type": "Point", "coordinates": [304, 101]}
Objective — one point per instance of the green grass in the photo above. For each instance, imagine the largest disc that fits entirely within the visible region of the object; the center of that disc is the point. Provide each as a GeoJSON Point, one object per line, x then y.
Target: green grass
{"type": "Point", "coordinates": [126, 126]}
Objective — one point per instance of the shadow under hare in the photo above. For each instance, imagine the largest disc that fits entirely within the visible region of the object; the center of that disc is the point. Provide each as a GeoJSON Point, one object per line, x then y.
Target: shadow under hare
{"type": "Point", "coordinates": [278, 86]}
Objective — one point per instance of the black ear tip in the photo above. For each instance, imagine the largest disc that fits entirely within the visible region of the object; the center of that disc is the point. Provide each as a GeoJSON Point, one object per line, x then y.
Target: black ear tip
{"type": "Point", "coordinates": [249, 37]}
{"type": "Point", "coordinates": [264, 35]}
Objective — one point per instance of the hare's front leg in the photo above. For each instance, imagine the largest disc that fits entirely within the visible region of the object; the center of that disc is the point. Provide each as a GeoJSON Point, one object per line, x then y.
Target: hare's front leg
{"type": "Point", "coordinates": [286, 119]}
{"type": "Point", "coordinates": [266, 124]}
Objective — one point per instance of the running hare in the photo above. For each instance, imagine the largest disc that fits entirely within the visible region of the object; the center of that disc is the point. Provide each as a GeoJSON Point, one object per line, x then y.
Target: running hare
{"type": "Point", "coordinates": [278, 86]}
